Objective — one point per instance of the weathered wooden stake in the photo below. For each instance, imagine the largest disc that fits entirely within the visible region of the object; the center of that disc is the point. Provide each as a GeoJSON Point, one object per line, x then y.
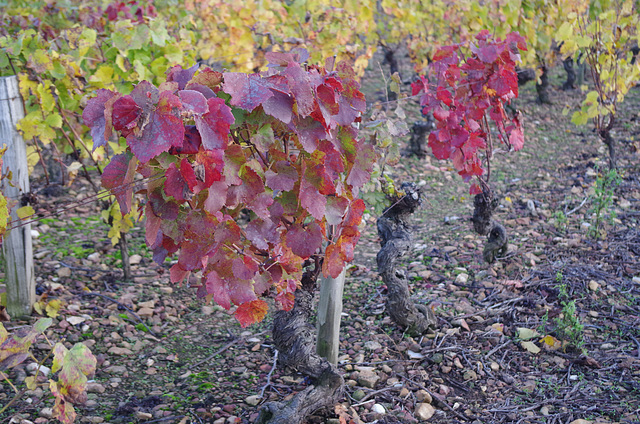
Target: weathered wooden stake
{"type": "Point", "coordinates": [16, 247]}
{"type": "Point", "coordinates": [329, 315]}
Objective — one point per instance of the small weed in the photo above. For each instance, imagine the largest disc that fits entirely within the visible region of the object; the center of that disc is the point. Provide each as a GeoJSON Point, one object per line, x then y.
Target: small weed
{"type": "Point", "coordinates": [561, 220]}
{"type": "Point", "coordinates": [141, 327]}
{"type": "Point", "coordinates": [605, 186]}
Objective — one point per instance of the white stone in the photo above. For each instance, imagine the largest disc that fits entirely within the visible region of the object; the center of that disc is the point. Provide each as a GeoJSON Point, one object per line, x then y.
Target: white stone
{"type": "Point", "coordinates": [75, 320]}
{"type": "Point", "coordinates": [462, 278]}
{"type": "Point", "coordinates": [378, 409]}
{"type": "Point", "coordinates": [135, 259]}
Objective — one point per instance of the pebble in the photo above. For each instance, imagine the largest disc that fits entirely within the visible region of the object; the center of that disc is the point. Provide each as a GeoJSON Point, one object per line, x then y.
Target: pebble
{"type": "Point", "coordinates": [143, 415]}
{"type": "Point", "coordinates": [372, 345]}
{"type": "Point", "coordinates": [135, 259]}
{"type": "Point", "coordinates": [462, 278]}
{"type": "Point", "coordinates": [378, 409]}
{"type": "Point", "coordinates": [116, 369]}
{"type": "Point", "coordinates": [424, 411]}
{"type": "Point", "coordinates": [423, 396]}
{"type": "Point", "coordinates": [46, 412]}
{"type": "Point", "coordinates": [95, 388]}
{"type": "Point", "coordinates": [358, 394]}
{"type": "Point", "coordinates": [368, 379]}
{"type": "Point", "coordinates": [253, 400]}
{"type": "Point", "coordinates": [64, 272]}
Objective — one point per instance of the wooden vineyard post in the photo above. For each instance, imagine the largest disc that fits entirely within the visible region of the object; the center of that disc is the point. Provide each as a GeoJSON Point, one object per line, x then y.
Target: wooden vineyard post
{"type": "Point", "coordinates": [329, 316]}
{"type": "Point", "coordinates": [17, 247]}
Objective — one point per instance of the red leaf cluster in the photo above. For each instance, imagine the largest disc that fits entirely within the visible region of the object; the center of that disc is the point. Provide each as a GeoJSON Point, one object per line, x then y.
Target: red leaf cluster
{"type": "Point", "coordinates": [464, 94]}
{"type": "Point", "coordinates": [276, 149]}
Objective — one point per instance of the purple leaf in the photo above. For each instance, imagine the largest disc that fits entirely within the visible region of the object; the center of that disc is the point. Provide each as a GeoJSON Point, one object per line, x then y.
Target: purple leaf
{"type": "Point", "coordinates": [247, 91]}
{"type": "Point", "coordinates": [93, 116]}
{"type": "Point", "coordinates": [193, 101]}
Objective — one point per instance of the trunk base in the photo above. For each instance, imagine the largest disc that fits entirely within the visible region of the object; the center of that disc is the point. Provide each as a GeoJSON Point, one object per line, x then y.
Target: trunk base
{"type": "Point", "coordinates": [294, 338]}
{"type": "Point", "coordinates": [396, 241]}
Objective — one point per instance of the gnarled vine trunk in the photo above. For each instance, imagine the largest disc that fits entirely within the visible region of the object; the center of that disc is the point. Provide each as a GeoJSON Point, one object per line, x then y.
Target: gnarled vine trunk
{"type": "Point", "coordinates": [396, 240]}
{"type": "Point", "coordinates": [294, 338]}
{"type": "Point", "coordinates": [418, 140]}
{"type": "Point", "coordinates": [484, 205]}
{"type": "Point", "coordinates": [543, 88]}
{"type": "Point", "coordinates": [570, 83]}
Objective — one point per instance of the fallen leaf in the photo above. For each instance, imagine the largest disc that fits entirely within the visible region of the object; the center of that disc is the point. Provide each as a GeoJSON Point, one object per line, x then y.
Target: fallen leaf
{"type": "Point", "coordinates": [527, 333]}
{"type": "Point", "coordinates": [530, 346]}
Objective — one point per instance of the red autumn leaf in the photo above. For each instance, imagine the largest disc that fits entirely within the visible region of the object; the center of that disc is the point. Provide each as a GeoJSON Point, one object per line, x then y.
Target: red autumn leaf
{"type": "Point", "coordinates": [300, 88]}
{"type": "Point", "coordinates": [189, 175]}
{"type": "Point", "coordinates": [516, 138]}
{"type": "Point", "coordinates": [304, 241]}
{"type": "Point", "coordinates": [361, 171]}
{"type": "Point", "coordinates": [125, 113]}
{"type": "Point", "coordinates": [118, 178]}
{"type": "Point", "coordinates": [285, 300]}
{"type": "Point", "coordinates": [244, 268]}
{"type": "Point", "coordinates": [207, 78]}
{"type": "Point", "coordinates": [219, 289]}
{"type": "Point", "coordinates": [251, 312]}
{"type": "Point", "coordinates": [333, 264]}
{"type": "Point", "coordinates": [282, 178]}
{"type": "Point", "coordinates": [175, 183]}
{"type": "Point", "coordinates": [215, 124]}
{"type": "Point", "coordinates": [163, 130]}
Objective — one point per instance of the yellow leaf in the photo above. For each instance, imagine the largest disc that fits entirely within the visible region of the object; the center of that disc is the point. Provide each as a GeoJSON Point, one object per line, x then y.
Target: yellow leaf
{"type": "Point", "coordinates": [508, 199]}
{"type": "Point", "coordinates": [31, 382]}
{"type": "Point", "coordinates": [530, 346]}
{"type": "Point", "coordinates": [550, 341]}
{"type": "Point", "coordinates": [53, 307]}
{"type": "Point", "coordinates": [25, 211]}
{"type": "Point", "coordinates": [38, 307]}
{"type": "Point", "coordinates": [498, 327]}
{"type": "Point", "coordinates": [565, 31]}
{"type": "Point", "coordinates": [4, 215]}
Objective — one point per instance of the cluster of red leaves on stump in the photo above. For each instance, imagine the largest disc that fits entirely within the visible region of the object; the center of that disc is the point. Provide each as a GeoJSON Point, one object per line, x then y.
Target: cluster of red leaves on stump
{"type": "Point", "coordinates": [280, 145]}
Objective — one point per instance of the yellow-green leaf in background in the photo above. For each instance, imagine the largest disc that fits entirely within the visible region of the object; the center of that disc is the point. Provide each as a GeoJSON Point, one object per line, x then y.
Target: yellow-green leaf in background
{"type": "Point", "coordinates": [54, 120]}
{"type": "Point", "coordinates": [25, 212]}
{"type": "Point", "coordinates": [103, 77]}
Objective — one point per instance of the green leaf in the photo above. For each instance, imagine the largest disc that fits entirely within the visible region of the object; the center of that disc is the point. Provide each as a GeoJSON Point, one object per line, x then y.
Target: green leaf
{"type": "Point", "coordinates": [42, 324]}
{"type": "Point", "coordinates": [54, 120]}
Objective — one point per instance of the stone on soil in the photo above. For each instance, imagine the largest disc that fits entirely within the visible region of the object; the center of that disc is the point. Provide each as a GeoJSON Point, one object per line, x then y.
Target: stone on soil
{"type": "Point", "coordinates": [368, 379]}
{"type": "Point", "coordinates": [252, 400]}
{"type": "Point", "coordinates": [372, 345]}
{"type": "Point", "coordinates": [424, 411]}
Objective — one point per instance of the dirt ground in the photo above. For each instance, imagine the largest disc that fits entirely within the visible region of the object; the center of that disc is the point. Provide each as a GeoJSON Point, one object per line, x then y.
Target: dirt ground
{"type": "Point", "coordinates": [547, 334]}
